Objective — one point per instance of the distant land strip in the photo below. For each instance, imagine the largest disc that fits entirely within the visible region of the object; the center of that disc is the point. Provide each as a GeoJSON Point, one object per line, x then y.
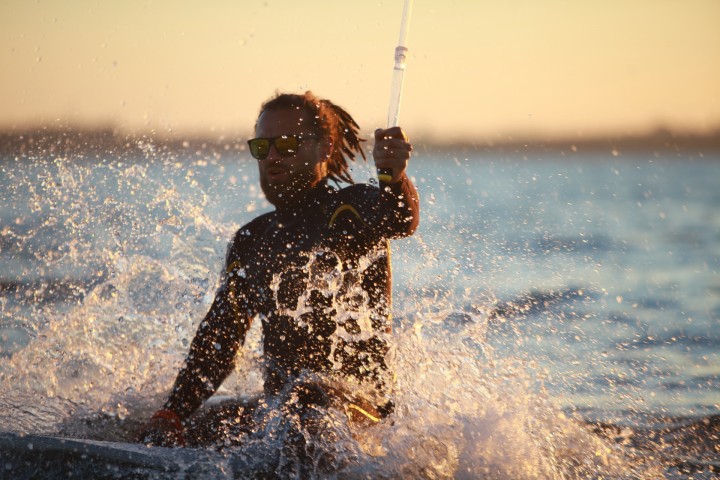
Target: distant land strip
{"type": "Point", "coordinates": [84, 142]}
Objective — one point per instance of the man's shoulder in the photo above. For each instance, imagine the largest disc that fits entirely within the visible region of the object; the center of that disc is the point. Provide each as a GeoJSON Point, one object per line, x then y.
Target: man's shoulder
{"type": "Point", "coordinates": [253, 226]}
{"type": "Point", "coordinates": [357, 191]}
{"type": "Point", "coordinates": [243, 238]}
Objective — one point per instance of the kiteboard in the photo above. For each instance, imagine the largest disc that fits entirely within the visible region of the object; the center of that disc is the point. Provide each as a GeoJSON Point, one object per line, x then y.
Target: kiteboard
{"type": "Point", "coordinates": [50, 457]}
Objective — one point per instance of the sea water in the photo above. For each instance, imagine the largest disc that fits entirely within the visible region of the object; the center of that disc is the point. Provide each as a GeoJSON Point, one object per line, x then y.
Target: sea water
{"type": "Point", "coordinates": [556, 315]}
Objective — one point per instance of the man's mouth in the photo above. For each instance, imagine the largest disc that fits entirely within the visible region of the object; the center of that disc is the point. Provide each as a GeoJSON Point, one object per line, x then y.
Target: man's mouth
{"type": "Point", "coordinates": [276, 173]}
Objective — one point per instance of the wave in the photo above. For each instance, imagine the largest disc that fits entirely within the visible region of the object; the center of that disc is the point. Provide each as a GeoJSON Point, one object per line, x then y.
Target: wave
{"type": "Point", "coordinates": [685, 445]}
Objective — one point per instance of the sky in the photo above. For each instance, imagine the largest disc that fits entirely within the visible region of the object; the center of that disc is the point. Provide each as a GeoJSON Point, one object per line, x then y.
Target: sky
{"type": "Point", "coordinates": [476, 69]}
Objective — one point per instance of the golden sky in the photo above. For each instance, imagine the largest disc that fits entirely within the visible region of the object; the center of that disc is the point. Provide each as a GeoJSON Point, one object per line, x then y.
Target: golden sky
{"type": "Point", "coordinates": [475, 68]}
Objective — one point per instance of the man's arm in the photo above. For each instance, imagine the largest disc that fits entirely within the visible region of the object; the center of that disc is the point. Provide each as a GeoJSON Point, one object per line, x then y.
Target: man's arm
{"type": "Point", "coordinates": [399, 212]}
{"type": "Point", "coordinates": [393, 209]}
{"type": "Point", "coordinates": [212, 353]}
{"type": "Point", "coordinates": [210, 360]}
{"type": "Point", "coordinates": [398, 208]}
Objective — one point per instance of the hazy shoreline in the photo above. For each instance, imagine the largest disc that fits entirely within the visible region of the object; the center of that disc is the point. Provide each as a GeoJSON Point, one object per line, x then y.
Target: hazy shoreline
{"type": "Point", "coordinates": [69, 141]}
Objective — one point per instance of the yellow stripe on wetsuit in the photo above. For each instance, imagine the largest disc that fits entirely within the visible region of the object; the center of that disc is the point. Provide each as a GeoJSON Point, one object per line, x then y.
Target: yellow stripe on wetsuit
{"type": "Point", "coordinates": [344, 208]}
{"type": "Point", "coordinates": [364, 412]}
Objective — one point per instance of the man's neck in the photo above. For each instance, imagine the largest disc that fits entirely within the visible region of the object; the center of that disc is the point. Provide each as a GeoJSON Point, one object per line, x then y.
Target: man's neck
{"type": "Point", "coordinates": [303, 199]}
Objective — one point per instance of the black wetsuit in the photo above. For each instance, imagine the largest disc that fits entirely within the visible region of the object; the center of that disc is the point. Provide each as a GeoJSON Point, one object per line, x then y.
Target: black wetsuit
{"type": "Point", "coordinates": [318, 275]}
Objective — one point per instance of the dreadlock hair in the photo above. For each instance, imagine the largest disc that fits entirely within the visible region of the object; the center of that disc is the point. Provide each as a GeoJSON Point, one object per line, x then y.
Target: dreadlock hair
{"type": "Point", "coordinates": [332, 123]}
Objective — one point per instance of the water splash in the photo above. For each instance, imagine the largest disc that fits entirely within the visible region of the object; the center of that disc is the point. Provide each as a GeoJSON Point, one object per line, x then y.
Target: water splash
{"type": "Point", "coordinates": [134, 249]}
{"type": "Point", "coordinates": [110, 266]}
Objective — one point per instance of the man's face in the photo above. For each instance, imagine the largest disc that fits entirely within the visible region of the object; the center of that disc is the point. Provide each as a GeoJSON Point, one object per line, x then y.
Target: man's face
{"type": "Point", "coordinates": [285, 180]}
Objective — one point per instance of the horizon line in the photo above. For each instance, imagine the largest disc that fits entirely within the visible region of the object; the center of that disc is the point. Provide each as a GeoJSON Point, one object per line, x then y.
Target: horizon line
{"type": "Point", "coordinates": [103, 136]}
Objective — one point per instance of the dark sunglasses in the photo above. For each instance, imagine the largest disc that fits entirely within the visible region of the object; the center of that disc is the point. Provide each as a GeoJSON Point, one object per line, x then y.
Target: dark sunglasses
{"type": "Point", "coordinates": [286, 145]}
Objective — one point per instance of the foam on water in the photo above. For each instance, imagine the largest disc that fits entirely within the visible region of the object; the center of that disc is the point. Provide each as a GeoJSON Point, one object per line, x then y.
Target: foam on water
{"type": "Point", "coordinates": [461, 411]}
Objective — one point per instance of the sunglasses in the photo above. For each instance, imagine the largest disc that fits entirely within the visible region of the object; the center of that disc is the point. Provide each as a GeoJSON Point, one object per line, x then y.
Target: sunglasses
{"type": "Point", "coordinates": [286, 145]}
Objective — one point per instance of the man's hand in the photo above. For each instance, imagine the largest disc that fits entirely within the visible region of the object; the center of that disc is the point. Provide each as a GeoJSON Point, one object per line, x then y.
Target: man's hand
{"type": "Point", "coordinates": [392, 151]}
{"type": "Point", "coordinates": [163, 430]}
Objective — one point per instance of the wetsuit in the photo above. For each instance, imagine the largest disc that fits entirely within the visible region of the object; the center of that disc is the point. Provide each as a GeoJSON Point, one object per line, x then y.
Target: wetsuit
{"type": "Point", "coordinates": [318, 275]}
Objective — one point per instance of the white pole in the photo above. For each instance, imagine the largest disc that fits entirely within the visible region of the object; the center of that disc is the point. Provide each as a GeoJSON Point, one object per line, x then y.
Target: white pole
{"type": "Point", "coordinates": [399, 69]}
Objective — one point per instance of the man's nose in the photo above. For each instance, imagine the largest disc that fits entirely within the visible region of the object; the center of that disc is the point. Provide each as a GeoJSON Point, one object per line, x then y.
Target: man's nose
{"type": "Point", "coordinates": [273, 153]}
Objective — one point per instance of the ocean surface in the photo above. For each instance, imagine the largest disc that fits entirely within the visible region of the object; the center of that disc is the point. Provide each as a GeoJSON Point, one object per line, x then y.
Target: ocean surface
{"type": "Point", "coordinates": [556, 315]}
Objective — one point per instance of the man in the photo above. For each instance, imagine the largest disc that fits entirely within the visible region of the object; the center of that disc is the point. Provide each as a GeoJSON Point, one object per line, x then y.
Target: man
{"type": "Point", "coordinates": [316, 271]}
